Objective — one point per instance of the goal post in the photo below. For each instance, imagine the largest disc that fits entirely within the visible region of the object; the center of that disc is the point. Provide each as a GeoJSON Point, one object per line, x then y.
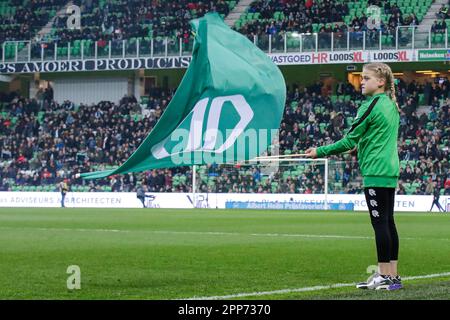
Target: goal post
{"type": "Point", "coordinates": [286, 176]}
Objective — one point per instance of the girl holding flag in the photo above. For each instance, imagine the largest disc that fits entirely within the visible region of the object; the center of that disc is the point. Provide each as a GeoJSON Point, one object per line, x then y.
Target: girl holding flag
{"type": "Point", "coordinates": [374, 133]}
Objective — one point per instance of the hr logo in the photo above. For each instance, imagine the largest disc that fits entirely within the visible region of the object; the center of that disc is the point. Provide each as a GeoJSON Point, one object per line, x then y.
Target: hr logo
{"type": "Point", "coordinates": [373, 203]}
{"type": "Point", "coordinates": [375, 213]}
{"type": "Point", "coordinates": [74, 280]}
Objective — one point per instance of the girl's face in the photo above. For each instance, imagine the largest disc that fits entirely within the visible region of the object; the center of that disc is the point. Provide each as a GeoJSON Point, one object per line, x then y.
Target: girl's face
{"type": "Point", "coordinates": [371, 84]}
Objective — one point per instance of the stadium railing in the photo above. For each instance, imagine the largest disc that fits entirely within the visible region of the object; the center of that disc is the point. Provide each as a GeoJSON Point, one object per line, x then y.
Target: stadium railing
{"type": "Point", "coordinates": [404, 37]}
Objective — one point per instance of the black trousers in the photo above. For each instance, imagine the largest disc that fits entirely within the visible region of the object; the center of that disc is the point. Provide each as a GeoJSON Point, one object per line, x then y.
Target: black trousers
{"type": "Point", "coordinates": [142, 200]}
{"type": "Point", "coordinates": [436, 202]}
{"type": "Point", "coordinates": [380, 202]}
{"type": "Point", "coordinates": [63, 197]}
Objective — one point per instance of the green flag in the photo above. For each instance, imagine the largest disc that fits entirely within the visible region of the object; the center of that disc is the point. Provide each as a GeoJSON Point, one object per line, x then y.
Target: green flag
{"type": "Point", "coordinates": [226, 108]}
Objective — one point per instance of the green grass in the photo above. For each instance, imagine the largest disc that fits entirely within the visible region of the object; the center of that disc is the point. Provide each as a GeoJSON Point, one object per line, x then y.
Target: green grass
{"type": "Point", "coordinates": [173, 254]}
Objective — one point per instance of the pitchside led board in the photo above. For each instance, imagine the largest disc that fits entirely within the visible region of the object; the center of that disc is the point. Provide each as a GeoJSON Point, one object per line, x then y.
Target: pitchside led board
{"type": "Point", "coordinates": [272, 201]}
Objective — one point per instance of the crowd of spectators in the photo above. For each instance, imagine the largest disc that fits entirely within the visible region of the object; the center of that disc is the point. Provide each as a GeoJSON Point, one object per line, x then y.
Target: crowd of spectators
{"type": "Point", "coordinates": [29, 17]}
{"type": "Point", "coordinates": [136, 19]}
{"type": "Point", "coordinates": [105, 21]}
{"type": "Point", "coordinates": [122, 20]}
{"type": "Point", "coordinates": [67, 140]}
{"type": "Point", "coordinates": [440, 25]}
{"type": "Point", "coordinates": [43, 142]}
{"type": "Point", "coordinates": [299, 16]}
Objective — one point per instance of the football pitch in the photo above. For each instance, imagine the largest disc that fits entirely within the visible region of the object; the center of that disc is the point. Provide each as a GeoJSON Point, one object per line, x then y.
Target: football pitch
{"type": "Point", "coordinates": [213, 254]}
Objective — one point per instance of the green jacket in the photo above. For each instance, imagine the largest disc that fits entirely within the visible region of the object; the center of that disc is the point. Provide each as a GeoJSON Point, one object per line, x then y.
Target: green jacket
{"type": "Point", "coordinates": [374, 131]}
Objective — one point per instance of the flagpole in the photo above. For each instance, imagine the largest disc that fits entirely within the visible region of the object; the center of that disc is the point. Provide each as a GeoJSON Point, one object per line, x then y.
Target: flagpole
{"type": "Point", "coordinates": [194, 182]}
{"type": "Point", "coordinates": [279, 156]}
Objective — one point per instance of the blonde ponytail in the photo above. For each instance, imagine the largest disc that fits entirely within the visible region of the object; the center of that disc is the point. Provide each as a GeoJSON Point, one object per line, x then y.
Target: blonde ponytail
{"type": "Point", "coordinates": [392, 93]}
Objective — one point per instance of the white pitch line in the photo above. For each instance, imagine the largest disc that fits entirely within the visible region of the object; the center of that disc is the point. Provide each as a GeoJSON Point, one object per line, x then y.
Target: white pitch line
{"type": "Point", "coordinates": [265, 234]}
{"type": "Point", "coordinates": [320, 236]}
{"type": "Point", "coordinates": [203, 233]}
{"type": "Point", "coordinates": [305, 289]}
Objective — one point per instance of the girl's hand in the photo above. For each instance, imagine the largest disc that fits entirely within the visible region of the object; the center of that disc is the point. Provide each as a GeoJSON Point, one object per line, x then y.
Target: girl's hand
{"type": "Point", "coordinates": [354, 151]}
{"type": "Point", "coordinates": [311, 153]}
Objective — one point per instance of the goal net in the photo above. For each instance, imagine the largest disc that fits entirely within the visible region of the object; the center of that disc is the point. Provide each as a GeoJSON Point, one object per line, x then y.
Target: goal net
{"type": "Point", "coordinates": [285, 180]}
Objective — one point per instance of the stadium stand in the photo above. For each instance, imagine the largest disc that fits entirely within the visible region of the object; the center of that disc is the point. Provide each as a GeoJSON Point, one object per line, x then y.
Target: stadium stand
{"type": "Point", "coordinates": [124, 20]}
{"type": "Point", "coordinates": [160, 21]}
{"type": "Point", "coordinates": [42, 142]}
{"type": "Point", "coordinates": [317, 16]}
{"type": "Point", "coordinates": [324, 17]}
{"type": "Point", "coordinates": [107, 20]}
{"type": "Point", "coordinates": [21, 20]}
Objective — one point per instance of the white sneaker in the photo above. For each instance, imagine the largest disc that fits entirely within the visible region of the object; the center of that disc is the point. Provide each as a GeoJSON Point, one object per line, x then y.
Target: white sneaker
{"type": "Point", "coordinates": [377, 282]}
